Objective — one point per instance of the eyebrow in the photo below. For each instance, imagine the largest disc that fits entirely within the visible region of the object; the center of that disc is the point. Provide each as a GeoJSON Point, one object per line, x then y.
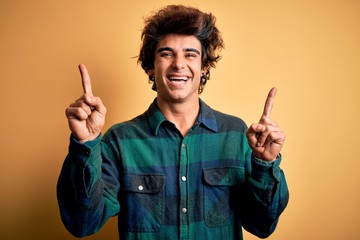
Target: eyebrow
{"type": "Point", "coordinates": [185, 50]}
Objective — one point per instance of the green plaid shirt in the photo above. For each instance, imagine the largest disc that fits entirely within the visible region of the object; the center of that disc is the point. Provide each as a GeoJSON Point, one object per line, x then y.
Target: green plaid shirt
{"type": "Point", "coordinates": [161, 185]}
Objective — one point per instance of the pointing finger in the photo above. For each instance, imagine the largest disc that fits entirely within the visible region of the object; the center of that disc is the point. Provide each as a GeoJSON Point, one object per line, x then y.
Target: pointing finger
{"type": "Point", "coordinates": [269, 102]}
{"type": "Point", "coordinates": [85, 78]}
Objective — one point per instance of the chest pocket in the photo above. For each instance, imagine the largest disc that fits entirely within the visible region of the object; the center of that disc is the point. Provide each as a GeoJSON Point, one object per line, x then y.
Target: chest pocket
{"type": "Point", "coordinates": [144, 201]}
{"type": "Point", "coordinates": [219, 194]}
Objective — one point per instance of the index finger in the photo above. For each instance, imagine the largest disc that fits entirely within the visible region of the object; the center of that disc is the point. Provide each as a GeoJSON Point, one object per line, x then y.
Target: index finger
{"type": "Point", "coordinates": [85, 79]}
{"type": "Point", "coordinates": [269, 102]}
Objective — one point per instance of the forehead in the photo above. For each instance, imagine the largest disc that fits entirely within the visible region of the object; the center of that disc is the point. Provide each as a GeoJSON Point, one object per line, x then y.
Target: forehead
{"type": "Point", "coordinates": [179, 42]}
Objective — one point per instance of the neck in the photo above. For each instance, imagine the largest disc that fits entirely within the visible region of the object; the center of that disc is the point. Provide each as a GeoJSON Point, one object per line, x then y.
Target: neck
{"type": "Point", "coordinates": [182, 114]}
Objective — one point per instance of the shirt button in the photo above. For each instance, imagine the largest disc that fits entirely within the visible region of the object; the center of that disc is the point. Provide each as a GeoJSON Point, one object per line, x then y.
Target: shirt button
{"type": "Point", "coordinates": [184, 210]}
{"type": "Point", "coordinates": [140, 187]}
{"type": "Point", "coordinates": [183, 178]}
{"type": "Point", "coordinates": [183, 145]}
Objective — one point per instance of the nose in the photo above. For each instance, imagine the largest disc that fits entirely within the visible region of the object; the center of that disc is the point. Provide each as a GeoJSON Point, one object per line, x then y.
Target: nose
{"type": "Point", "coordinates": [178, 62]}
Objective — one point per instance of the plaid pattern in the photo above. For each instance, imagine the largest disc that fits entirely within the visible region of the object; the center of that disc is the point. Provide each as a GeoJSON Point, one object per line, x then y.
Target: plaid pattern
{"type": "Point", "coordinates": [206, 185]}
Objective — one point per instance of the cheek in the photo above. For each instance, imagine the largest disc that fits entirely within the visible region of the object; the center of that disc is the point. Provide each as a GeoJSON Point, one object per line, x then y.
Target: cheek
{"type": "Point", "coordinates": [160, 67]}
{"type": "Point", "coordinates": [196, 68]}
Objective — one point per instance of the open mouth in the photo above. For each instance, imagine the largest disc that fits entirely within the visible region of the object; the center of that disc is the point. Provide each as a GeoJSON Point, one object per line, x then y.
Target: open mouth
{"type": "Point", "coordinates": [178, 79]}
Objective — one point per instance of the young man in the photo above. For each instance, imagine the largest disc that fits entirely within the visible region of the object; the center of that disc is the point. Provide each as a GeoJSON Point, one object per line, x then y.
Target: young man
{"type": "Point", "coordinates": [181, 170]}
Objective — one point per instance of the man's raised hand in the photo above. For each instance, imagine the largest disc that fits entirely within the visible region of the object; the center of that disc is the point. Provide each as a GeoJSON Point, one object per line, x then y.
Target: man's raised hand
{"type": "Point", "coordinates": [266, 138]}
{"type": "Point", "coordinates": [86, 116]}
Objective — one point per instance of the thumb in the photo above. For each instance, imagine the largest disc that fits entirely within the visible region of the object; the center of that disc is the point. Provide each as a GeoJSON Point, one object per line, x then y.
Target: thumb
{"type": "Point", "coordinates": [255, 129]}
{"type": "Point", "coordinates": [95, 103]}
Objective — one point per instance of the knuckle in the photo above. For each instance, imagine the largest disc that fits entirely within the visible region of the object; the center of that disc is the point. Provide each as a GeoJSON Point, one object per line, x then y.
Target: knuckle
{"type": "Point", "coordinates": [80, 113]}
{"type": "Point", "coordinates": [67, 112]}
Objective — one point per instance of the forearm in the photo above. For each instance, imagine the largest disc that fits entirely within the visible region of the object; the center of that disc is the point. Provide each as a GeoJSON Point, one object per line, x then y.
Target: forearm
{"type": "Point", "coordinates": [268, 196]}
{"type": "Point", "coordinates": [84, 201]}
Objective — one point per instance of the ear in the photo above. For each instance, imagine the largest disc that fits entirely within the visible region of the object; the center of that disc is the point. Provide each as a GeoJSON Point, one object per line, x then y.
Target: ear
{"type": "Point", "coordinates": [204, 70]}
{"type": "Point", "coordinates": [151, 73]}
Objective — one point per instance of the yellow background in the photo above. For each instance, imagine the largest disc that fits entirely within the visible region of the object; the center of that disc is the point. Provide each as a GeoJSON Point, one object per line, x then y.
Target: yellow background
{"type": "Point", "coordinates": [309, 49]}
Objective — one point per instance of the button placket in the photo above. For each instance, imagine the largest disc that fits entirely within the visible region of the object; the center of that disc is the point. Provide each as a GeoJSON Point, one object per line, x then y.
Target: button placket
{"type": "Point", "coordinates": [183, 168]}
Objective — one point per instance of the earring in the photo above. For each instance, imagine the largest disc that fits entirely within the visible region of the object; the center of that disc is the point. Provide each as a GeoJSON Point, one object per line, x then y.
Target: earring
{"type": "Point", "coordinates": [151, 79]}
{"type": "Point", "coordinates": [203, 78]}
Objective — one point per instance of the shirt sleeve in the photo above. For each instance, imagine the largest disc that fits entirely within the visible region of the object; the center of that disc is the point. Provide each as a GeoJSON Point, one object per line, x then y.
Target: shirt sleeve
{"type": "Point", "coordinates": [266, 196]}
{"type": "Point", "coordinates": [87, 188]}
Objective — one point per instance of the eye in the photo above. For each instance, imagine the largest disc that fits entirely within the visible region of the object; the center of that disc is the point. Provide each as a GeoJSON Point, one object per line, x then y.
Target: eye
{"type": "Point", "coordinates": [191, 55]}
{"type": "Point", "coordinates": [166, 54]}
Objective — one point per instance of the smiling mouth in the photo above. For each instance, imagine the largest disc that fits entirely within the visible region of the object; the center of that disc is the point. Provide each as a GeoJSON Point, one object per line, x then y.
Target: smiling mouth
{"type": "Point", "coordinates": [178, 79]}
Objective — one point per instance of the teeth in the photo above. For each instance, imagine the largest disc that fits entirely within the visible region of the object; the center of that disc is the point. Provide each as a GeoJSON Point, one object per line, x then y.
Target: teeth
{"type": "Point", "coordinates": [178, 78]}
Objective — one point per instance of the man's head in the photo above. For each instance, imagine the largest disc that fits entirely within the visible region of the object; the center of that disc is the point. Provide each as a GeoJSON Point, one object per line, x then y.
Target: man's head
{"type": "Point", "coordinates": [177, 19]}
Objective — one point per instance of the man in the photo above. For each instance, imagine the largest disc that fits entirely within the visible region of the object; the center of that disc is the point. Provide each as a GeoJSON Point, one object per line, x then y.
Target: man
{"type": "Point", "coordinates": [181, 170]}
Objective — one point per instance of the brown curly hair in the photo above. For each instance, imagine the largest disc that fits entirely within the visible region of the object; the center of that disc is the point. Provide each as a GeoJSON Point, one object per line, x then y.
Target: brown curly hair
{"type": "Point", "coordinates": [184, 20]}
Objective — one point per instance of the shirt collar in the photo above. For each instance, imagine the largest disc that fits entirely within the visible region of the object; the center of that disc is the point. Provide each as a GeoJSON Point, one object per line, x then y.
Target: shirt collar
{"type": "Point", "coordinates": [156, 118]}
{"type": "Point", "coordinates": [206, 117]}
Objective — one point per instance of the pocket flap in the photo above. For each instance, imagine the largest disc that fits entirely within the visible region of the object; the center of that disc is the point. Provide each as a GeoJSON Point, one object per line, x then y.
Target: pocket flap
{"type": "Point", "coordinates": [224, 176]}
{"type": "Point", "coordinates": [143, 182]}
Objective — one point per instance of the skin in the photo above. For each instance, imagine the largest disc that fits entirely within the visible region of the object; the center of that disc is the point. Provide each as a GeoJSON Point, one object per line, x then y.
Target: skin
{"type": "Point", "coordinates": [177, 71]}
{"type": "Point", "coordinates": [266, 138]}
{"type": "Point", "coordinates": [86, 116]}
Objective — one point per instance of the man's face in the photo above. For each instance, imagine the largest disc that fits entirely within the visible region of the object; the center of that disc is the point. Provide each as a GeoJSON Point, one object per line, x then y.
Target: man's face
{"type": "Point", "coordinates": [177, 68]}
